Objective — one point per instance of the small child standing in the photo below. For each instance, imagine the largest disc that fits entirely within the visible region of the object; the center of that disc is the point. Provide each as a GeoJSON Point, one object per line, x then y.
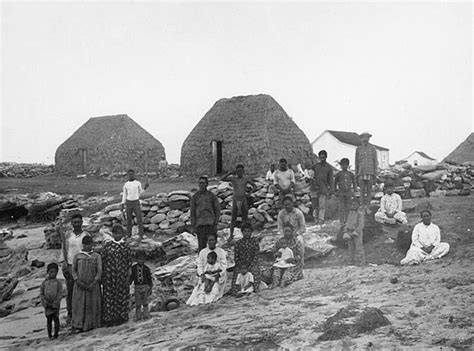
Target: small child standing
{"type": "Point", "coordinates": [212, 272]}
{"type": "Point", "coordinates": [353, 233]}
{"type": "Point", "coordinates": [345, 182]}
{"type": "Point", "coordinates": [141, 277]}
{"type": "Point", "coordinates": [51, 293]}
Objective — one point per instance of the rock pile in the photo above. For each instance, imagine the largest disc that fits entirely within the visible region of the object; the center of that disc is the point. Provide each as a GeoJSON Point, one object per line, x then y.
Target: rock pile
{"type": "Point", "coordinates": [438, 180]}
{"type": "Point", "coordinates": [24, 170]}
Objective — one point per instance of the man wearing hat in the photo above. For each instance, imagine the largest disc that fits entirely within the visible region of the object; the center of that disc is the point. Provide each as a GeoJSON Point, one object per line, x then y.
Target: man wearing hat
{"type": "Point", "coordinates": [366, 167]}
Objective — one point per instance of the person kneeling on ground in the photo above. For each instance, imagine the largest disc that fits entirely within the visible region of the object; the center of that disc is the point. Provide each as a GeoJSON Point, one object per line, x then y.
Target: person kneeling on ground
{"type": "Point", "coordinates": [353, 233]}
{"type": "Point", "coordinates": [425, 242]}
{"type": "Point", "coordinates": [293, 267]}
{"type": "Point", "coordinates": [390, 211]}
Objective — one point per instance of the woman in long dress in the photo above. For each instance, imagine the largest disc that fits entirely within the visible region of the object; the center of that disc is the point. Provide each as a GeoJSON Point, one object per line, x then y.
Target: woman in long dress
{"type": "Point", "coordinates": [86, 297]}
{"type": "Point", "coordinates": [246, 253]}
{"type": "Point", "coordinates": [116, 265]}
{"type": "Point", "coordinates": [199, 295]}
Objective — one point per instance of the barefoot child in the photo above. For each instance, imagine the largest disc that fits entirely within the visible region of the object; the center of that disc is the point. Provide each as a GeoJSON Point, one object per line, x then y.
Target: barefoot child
{"type": "Point", "coordinates": [283, 254]}
{"type": "Point", "coordinates": [345, 183]}
{"type": "Point", "coordinates": [245, 283]}
{"type": "Point", "coordinates": [212, 272]}
{"type": "Point", "coordinates": [239, 201]}
{"type": "Point", "coordinates": [51, 293]}
{"type": "Point", "coordinates": [284, 268]}
{"type": "Point", "coordinates": [141, 277]}
{"type": "Point", "coordinates": [353, 232]}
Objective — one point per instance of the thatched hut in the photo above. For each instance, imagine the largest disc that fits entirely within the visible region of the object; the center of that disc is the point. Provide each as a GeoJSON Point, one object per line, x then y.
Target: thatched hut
{"type": "Point", "coordinates": [252, 130]}
{"type": "Point", "coordinates": [109, 144]}
{"type": "Point", "coordinates": [464, 152]}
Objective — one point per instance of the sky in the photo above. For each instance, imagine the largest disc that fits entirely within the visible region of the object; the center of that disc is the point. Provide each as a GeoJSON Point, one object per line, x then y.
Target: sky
{"type": "Point", "coordinates": [402, 71]}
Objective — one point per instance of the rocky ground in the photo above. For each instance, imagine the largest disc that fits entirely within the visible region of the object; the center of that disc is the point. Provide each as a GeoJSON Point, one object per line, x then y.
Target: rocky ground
{"type": "Point", "coordinates": [429, 306]}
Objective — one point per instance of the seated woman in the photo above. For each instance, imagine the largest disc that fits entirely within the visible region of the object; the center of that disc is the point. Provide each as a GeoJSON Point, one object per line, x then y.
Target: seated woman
{"type": "Point", "coordinates": [284, 273]}
{"type": "Point", "coordinates": [390, 211]}
{"type": "Point", "coordinates": [199, 294]}
{"type": "Point", "coordinates": [246, 258]}
{"type": "Point", "coordinates": [425, 242]}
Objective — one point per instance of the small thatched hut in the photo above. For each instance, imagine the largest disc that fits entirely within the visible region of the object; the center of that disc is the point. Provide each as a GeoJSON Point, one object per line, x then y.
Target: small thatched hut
{"type": "Point", "coordinates": [252, 130]}
{"type": "Point", "coordinates": [464, 152]}
{"type": "Point", "coordinates": [109, 144]}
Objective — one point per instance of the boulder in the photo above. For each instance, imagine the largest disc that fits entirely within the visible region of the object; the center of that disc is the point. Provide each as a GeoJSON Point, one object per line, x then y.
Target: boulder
{"type": "Point", "coordinates": [174, 213]}
{"type": "Point", "coordinates": [185, 193]}
{"type": "Point", "coordinates": [52, 237]}
{"type": "Point", "coordinates": [414, 193]}
{"type": "Point", "coordinates": [181, 245]}
{"type": "Point", "coordinates": [7, 286]}
{"type": "Point", "coordinates": [158, 218]}
{"type": "Point", "coordinates": [179, 204]}
{"type": "Point", "coordinates": [435, 175]}
{"type": "Point", "coordinates": [153, 249]}
{"type": "Point", "coordinates": [164, 225]}
{"type": "Point", "coordinates": [113, 207]}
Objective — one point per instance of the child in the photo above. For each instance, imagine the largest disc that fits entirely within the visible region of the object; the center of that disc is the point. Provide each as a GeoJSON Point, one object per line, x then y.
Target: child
{"type": "Point", "coordinates": [212, 272]}
{"type": "Point", "coordinates": [141, 276]}
{"type": "Point", "coordinates": [390, 211]}
{"type": "Point", "coordinates": [239, 202]}
{"type": "Point", "coordinates": [282, 256]}
{"type": "Point", "coordinates": [345, 181]}
{"type": "Point", "coordinates": [51, 293]}
{"type": "Point", "coordinates": [86, 297]}
{"type": "Point", "coordinates": [245, 282]}
{"type": "Point", "coordinates": [353, 233]}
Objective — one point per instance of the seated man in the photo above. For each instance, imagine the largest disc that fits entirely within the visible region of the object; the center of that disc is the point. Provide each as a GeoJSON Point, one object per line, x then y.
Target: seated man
{"type": "Point", "coordinates": [425, 242]}
{"type": "Point", "coordinates": [390, 211]}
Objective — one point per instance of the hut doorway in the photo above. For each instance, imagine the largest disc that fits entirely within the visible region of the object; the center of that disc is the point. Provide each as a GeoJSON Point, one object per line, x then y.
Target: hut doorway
{"type": "Point", "coordinates": [217, 156]}
{"type": "Point", "coordinates": [83, 158]}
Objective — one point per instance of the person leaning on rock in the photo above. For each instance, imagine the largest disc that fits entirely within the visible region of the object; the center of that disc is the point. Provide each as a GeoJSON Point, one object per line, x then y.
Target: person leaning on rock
{"type": "Point", "coordinates": [205, 212]}
{"type": "Point", "coordinates": [71, 245]}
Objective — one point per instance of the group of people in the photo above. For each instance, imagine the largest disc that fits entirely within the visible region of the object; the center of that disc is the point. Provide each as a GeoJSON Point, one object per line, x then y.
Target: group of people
{"type": "Point", "coordinates": [98, 284]}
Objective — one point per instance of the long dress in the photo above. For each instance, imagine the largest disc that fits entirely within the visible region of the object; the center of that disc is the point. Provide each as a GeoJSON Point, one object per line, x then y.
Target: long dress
{"type": "Point", "coordinates": [246, 256]}
{"type": "Point", "coordinates": [86, 305]}
{"type": "Point", "coordinates": [290, 274]}
{"type": "Point", "coordinates": [199, 296]}
{"type": "Point", "coordinates": [116, 264]}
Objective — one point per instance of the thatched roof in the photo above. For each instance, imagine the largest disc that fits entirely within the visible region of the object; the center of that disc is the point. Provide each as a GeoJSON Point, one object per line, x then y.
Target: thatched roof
{"type": "Point", "coordinates": [463, 153]}
{"type": "Point", "coordinates": [109, 143]}
{"type": "Point", "coordinates": [254, 130]}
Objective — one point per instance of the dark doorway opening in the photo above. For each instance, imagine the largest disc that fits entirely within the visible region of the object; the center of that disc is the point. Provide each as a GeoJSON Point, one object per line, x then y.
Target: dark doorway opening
{"type": "Point", "coordinates": [83, 157]}
{"type": "Point", "coordinates": [217, 156]}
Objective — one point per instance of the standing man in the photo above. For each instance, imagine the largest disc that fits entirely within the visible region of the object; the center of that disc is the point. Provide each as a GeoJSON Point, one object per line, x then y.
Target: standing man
{"type": "Point", "coordinates": [366, 167]}
{"type": "Point", "coordinates": [132, 190]}
{"type": "Point", "coordinates": [71, 245]}
{"type": "Point", "coordinates": [284, 180]}
{"type": "Point", "coordinates": [321, 187]}
{"type": "Point", "coordinates": [205, 212]}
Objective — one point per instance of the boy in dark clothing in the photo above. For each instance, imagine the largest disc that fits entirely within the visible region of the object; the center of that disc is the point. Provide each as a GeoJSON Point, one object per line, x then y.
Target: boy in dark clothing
{"type": "Point", "coordinates": [51, 293]}
{"type": "Point", "coordinates": [353, 233]}
{"type": "Point", "coordinates": [141, 276]}
{"type": "Point", "coordinates": [239, 201]}
{"type": "Point", "coordinates": [321, 187]}
{"type": "Point", "coordinates": [345, 182]}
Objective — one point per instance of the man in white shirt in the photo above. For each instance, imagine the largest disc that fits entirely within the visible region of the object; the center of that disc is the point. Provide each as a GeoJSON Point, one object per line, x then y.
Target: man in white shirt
{"type": "Point", "coordinates": [425, 242]}
{"type": "Point", "coordinates": [71, 245]}
{"type": "Point", "coordinates": [284, 180]}
{"type": "Point", "coordinates": [270, 177]}
{"type": "Point", "coordinates": [390, 211]}
{"type": "Point", "coordinates": [132, 190]}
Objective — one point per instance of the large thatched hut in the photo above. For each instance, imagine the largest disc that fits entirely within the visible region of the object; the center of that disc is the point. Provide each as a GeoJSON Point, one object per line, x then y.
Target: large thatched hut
{"type": "Point", "coordinates": [109, 144]}
{"type": "Point", "coordinates": [252, 130]}
{"type": "Point", "coordinates": [464, 152]}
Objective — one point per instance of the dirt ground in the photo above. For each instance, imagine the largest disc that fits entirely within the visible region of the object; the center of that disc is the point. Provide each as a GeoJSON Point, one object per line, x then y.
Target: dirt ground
{"type": "Point", "coordinates": [430, 305]}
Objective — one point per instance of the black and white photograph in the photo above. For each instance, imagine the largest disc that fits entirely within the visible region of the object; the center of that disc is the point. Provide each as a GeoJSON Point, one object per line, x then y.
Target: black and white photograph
{"type": "Point", "coordinates": [236, 175]}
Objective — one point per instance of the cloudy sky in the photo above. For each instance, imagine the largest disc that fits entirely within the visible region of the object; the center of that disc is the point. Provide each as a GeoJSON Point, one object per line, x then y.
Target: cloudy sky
{"type": "Point", "coordinates": [402, 71]}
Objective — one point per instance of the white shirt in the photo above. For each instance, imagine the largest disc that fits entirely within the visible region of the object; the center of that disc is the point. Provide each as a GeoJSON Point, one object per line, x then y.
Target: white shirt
{"type": "Point", "coordinates": [270, 176]}
{"type": "Point", "coordinates": [284, 178]}
{"type": "Point", "coordinates": [391, 203]}
{"type": "Point", "coordinates": [132, 191]}
{"type": "Point", "coordinates": [74, 244]}
{"type": "Point", "coordinates": [425, 235]}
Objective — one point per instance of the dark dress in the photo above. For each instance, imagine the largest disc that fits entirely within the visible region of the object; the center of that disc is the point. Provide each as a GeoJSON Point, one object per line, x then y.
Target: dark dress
{"type": "Point", "coordinates": [116, 264]}
{"type": "Point", "coordinates": [246, 255]}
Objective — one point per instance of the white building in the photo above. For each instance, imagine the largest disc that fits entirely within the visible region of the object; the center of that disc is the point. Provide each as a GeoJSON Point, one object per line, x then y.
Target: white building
{"type": "Point", "coordinates": [343, 144]}
{"type": "Point", "coordinates": [419, 158]}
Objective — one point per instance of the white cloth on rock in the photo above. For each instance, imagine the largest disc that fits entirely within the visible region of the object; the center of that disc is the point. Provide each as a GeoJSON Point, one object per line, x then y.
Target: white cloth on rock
{"type": "Point", "coordinates": [422, 237]}
{"type": "Point", "coordinates": [199, 296]}
{"type": "Point", "coordinates": [243, 280]}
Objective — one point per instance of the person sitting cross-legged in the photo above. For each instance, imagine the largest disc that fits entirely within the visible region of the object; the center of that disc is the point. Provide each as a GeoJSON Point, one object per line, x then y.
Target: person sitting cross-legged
{"type": "Point", "coordinates": [390, 211]}
{"type": "Point", "coordinates": [425, 242]}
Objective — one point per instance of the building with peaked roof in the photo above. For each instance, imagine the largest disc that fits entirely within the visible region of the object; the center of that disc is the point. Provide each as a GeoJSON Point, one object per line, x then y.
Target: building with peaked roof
{"type": "Point", "coordinates": [252, 130]}
{"type": "Point", "coordinates": [109, 144]}
{"type": "Point", "coordinates": [463, 153]}
{"type": "Point", "coordinates": [341, 144]}
{"type": "Point", "coordinates": [419, 158]}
